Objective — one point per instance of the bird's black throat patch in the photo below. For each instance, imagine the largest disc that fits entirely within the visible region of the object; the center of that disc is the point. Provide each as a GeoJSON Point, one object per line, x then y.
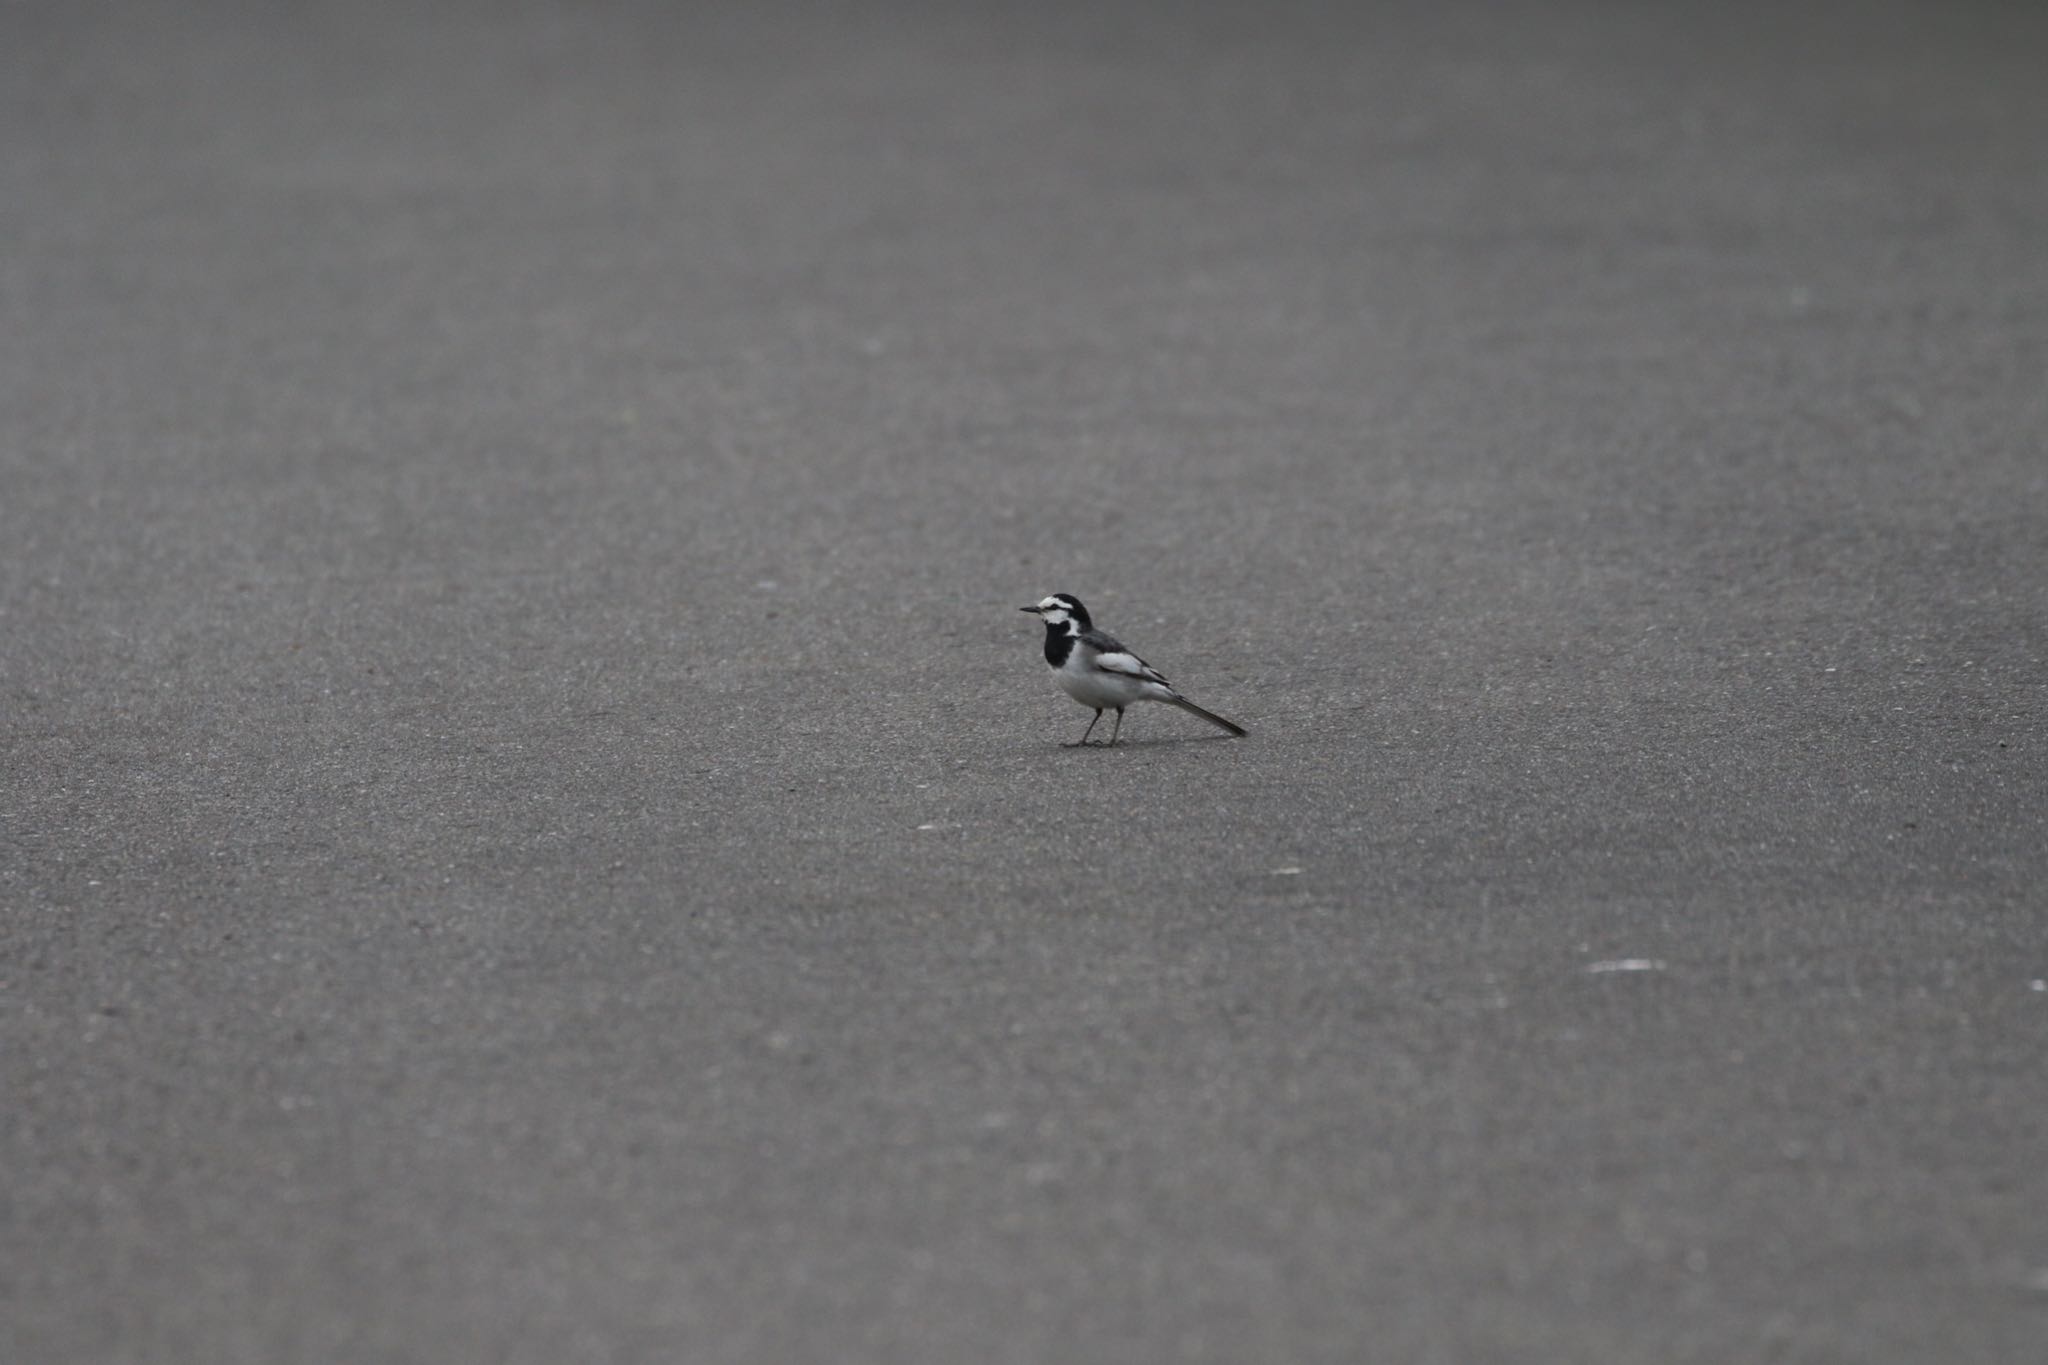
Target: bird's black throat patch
{"type": "Point", "coordinates": [1059, 642]}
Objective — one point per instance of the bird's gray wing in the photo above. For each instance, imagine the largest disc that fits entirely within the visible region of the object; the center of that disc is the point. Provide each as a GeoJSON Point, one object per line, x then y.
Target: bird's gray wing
{"type": "Point", "coordinates": [1111, 657]}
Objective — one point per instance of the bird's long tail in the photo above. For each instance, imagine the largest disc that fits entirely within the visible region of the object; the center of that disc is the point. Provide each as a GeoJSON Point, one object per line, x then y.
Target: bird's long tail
{"type": "Point", "coordinates": [1184, 704]}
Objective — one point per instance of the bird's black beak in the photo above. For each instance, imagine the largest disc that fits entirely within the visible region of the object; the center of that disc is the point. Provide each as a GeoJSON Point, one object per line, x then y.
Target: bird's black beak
{"type": "Point", "coordinates": [1029, 609]}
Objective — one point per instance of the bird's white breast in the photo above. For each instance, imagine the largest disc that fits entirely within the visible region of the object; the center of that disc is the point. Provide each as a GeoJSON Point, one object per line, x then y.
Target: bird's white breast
{"type": "Point", "coordinates": [1092, 686]}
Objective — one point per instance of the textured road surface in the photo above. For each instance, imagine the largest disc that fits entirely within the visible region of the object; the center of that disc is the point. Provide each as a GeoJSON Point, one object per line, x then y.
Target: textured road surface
{"type": "Point", "coordinates": [532, 831]}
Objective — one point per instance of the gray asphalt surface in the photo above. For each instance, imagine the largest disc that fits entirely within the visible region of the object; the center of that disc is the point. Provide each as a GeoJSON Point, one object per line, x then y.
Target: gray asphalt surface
{"type": "Point", "coordinates": [531, 829]}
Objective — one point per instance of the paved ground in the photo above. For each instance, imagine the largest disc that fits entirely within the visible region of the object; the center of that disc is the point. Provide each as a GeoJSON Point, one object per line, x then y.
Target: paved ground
{"type": "Point", "coordinates": [530, 829]}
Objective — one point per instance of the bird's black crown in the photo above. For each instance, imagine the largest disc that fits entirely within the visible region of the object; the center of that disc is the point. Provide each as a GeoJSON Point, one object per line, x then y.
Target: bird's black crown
{"type": "Point", "coordinates": [1074, 608]}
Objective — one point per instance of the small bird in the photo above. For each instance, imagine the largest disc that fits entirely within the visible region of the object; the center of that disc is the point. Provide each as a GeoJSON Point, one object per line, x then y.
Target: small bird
{"type": "Point", "coordinates": [1097, 671]}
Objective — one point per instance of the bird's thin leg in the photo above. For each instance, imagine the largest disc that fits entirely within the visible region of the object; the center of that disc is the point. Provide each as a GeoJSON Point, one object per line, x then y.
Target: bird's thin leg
{"type": "Point", "coordinates": [1117, 728]}
{"type": "Point", "coordinates": [1091, 727]}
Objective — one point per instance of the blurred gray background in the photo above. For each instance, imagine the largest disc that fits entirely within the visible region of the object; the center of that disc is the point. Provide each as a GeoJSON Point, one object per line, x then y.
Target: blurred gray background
{"type": "Point", "coordinates": [531, 829]}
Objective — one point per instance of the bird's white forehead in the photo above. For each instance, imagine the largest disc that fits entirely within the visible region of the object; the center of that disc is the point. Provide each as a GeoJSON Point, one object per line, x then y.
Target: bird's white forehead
{"type": "Point", "coordinates": [1052, 604]}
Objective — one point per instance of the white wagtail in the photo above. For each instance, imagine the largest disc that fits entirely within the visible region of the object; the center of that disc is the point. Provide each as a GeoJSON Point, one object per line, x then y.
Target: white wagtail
{"type": "Point", "coordinates": [1097, 671]}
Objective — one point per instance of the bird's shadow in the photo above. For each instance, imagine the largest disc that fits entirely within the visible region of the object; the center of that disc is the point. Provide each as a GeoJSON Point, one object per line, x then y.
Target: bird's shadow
{"type": "Point", "coordinates": [1156, 742]}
